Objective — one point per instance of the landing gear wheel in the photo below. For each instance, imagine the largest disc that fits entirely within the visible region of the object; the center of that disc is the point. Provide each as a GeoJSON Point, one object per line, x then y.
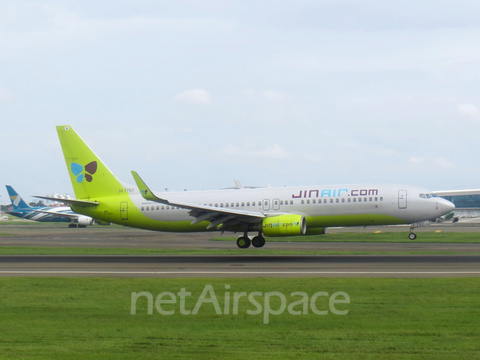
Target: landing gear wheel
{"type": "Point", "coordinates": [72, 225]}
{"type": "Point", "coordinates": [258, 241]}
{"type": "Point", "coordinates": [412, 236]}
{"type": "Point", "coordinates": [243, 242]}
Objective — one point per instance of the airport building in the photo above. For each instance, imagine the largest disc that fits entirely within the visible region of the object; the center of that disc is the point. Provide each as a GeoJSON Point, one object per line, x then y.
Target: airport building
{"type": "Point", "coordinates": [467, 202]}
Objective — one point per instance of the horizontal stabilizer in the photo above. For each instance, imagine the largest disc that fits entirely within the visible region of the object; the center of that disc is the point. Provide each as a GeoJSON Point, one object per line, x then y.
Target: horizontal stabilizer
{"type": "Point", "coordinates": [70, 201]}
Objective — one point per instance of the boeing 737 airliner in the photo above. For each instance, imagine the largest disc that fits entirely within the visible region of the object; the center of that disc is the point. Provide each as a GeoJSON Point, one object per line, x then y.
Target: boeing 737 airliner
{"type": "Point", "coordinates": [285, 211]}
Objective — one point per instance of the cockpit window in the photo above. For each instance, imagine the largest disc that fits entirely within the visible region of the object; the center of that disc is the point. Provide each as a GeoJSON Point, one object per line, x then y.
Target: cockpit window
{"type": "Point", "coordinates": [427, 196]}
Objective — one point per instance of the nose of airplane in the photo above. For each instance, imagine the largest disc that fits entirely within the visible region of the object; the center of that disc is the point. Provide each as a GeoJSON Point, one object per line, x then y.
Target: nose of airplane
{"type": "Point", "coordinates": [445, 206]}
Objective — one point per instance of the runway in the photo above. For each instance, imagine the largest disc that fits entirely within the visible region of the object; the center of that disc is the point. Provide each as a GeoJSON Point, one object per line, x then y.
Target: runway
{"type": "Point", "coordinates": [130, 238]}
{"type": "Point", "coordinates": [251, 264]}
{"type": "Point", "coordinates": [242, 266]}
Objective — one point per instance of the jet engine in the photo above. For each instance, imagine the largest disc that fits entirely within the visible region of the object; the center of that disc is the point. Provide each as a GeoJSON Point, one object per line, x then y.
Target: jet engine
{"type": "Point", "coordinates": [284, 225]}
{"type": "Point", "coordinates": [85, 220]}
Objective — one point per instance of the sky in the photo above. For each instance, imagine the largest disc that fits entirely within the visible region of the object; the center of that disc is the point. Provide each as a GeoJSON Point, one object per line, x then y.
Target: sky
{"type": "Point", "coordinates": [194, 94]}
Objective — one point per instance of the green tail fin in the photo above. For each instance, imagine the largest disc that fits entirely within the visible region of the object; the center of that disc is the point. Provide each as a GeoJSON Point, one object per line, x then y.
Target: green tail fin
{"type": "Point", "coordinates": [89, 176]}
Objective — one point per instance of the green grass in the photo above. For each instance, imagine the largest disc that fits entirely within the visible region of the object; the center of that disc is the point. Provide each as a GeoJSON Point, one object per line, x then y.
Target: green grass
{"type": "Point", "coordinates": [423, 237]}
{"type": "Point", "coordinates": [79, 318]}
{"type": "Point", "coordinates": [31, 250]}
{"type": "Point", "coordinates": [16, 221]}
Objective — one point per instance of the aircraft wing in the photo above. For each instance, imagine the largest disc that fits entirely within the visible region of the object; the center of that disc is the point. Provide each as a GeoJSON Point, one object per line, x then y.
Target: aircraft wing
{"type": "Point", "coordinates": [215, 215]}
{"type": "Point", "coordinates": [58, 214]}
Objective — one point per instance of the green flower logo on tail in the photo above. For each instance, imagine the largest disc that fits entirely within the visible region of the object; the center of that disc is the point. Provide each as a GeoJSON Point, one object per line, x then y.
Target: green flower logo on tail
{"type": "Point", "coordinates": [78, 171]}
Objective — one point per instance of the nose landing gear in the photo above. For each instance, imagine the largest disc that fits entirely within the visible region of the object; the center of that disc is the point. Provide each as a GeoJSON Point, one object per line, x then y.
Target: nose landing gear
{"type": "Point", "coordinates": [412, 235]}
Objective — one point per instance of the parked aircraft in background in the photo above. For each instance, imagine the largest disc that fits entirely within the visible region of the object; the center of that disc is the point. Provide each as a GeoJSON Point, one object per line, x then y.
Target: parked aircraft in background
{"type": "Point", "coordinates": [284, 211]}
{"type": "Point", "coordinates": [45, 213]}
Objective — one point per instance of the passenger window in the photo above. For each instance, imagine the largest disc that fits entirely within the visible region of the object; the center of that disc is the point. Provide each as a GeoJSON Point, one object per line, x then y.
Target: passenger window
{"type": "Point", "coordinates": [381, 198]}
{"type": "Point", "coordinates": [337, 201]}
{"type": "Point", "coordinates": [349, 200]}
{"type": "Point", "coordinates": [248, 203]}
{"type": "Point", "coordinates": [303, 202]}
{"type": "Point", "coordinates": [308, 201]}
{"type": "Point", "coordinates": [291, 202]}
{"type": "Point", "coordinates": [354, 199]}
{"type": "Point", "coordinates": [331, 201]}
{"type": "Point", "coordinates": [314, 201]}
{"type": "Point", "coordinates": [343, 200]}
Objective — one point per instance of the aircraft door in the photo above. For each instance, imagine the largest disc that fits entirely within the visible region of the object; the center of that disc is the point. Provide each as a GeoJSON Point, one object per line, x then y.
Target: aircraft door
{"type": "Point", "coordinates": [124, 210]}
{"type": "Point", "coordinates": [402, 199]}
{"type": "Point", "coordinates": [266, 205]}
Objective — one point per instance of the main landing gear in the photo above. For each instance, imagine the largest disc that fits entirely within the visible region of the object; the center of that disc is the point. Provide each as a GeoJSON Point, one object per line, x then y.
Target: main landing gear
{"type": "Point", "coordinates": [412, 235]}
{"type": "Point", "coordinates": [243, 242]}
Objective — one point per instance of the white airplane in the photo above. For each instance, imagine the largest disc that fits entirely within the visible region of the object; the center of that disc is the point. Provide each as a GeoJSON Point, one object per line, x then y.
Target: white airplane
{"type": "Point", "coordinates": [281, 211]}
{"type": "Point", "coordinates": [45, 213]}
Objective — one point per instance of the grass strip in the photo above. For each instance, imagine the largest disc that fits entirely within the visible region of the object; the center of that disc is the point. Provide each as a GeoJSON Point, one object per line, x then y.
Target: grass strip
{"type": "Point", "coordinates": [79, 318]}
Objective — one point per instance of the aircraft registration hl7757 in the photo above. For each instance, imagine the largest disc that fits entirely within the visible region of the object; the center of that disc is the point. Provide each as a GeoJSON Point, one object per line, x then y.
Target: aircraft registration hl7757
{"type": "Point", "coordinates": [272, 211]}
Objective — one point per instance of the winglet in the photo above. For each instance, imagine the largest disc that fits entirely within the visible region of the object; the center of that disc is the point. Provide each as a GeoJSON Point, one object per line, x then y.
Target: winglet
{"type": "Point", "coordinates": [145, 191]}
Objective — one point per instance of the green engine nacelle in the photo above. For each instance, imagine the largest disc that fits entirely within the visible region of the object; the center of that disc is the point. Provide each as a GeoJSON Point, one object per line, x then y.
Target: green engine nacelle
{"type": "Point", "coordinates": [284, 225]}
